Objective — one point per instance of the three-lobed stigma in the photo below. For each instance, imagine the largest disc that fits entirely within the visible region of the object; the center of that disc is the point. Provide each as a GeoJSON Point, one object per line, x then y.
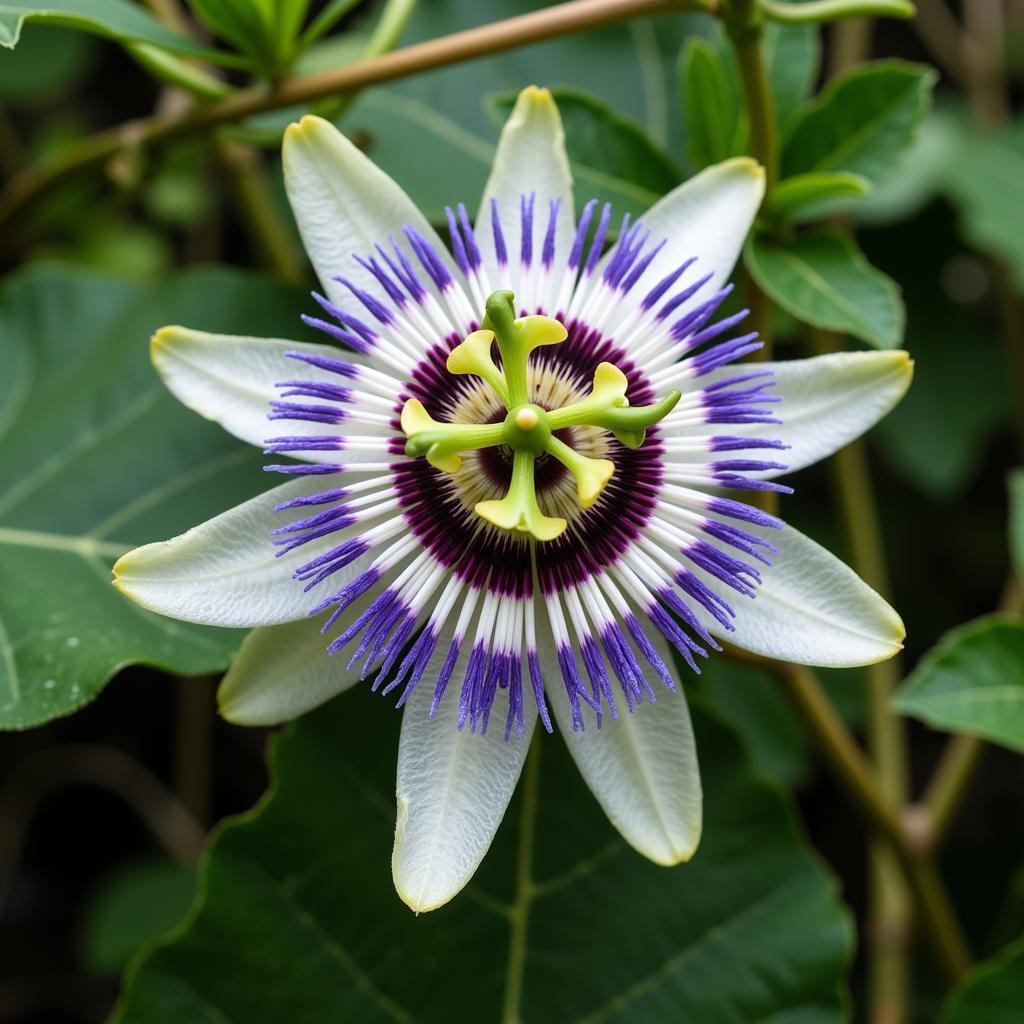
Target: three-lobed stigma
{"type": "Point", "coordinates": [528, 430]}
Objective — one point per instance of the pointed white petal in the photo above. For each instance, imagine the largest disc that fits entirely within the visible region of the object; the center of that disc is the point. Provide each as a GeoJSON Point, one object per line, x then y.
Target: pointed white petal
{"type": "Point", "coordinates": [231, 380]}
{"type": "Point", "coordinates": [642, 768]}
{"type": "Point", "coordinates": [224, 572]}
{"type": "Point", "coordinates": [279, 673]}
{"type": "Point", "coordinates": [345, 205]}
{"type": "Point", "coordinates": [531, 158]}
{"type": "Point", "coordinates": [827, 402]}
{"type": "Point", "coordinates": [812, 609]}
{"type": "Point", "coordinates": [709, 217]}
{"type": "Point", "coordinates": [452, 791]}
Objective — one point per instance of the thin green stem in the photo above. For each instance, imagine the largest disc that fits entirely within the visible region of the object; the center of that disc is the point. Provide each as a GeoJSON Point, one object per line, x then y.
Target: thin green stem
{"type": "Point", "coordinates": [862, 784]}
{"type": "Point", "coordinates": [28, 187]}
{"type": "Point", "coordinates": [890, 913]}
{"type": "Point", "coordinates": [260, 215]}
{"type": "Point", "coordinates": [834, 10]}
{"type": "Point", "coordinates": [743, 23]}
{"type": "Point", "coordinates": [519, 914]}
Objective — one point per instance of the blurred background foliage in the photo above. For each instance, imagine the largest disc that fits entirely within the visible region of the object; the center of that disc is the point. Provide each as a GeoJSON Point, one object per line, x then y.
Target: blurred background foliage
{"type": "Point", "coordinates": [898, 222]}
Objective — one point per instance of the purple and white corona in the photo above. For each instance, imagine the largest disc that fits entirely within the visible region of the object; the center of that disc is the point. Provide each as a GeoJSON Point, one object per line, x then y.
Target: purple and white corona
{"type": "Point", "coordinates": [513, 488]}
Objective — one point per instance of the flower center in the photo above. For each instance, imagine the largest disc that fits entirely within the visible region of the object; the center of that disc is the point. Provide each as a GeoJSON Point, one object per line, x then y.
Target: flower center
{"type": "Point", "coordinates": [527, 429]}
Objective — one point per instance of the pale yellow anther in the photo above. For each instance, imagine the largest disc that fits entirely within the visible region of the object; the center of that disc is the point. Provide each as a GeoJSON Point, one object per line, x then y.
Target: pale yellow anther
{"type": "Point", "coordinates": [537, 330]}
{"type": "Point", "coordinates": [527, 419]}
{"type": "Point", "coordinates": [591, 478]}
{"type": "Point", "coordinates": [610, 384]}
{"type": "Point", "coordinates": [473, 356]}
{"type": "Point", "coordinates": [415, 419]}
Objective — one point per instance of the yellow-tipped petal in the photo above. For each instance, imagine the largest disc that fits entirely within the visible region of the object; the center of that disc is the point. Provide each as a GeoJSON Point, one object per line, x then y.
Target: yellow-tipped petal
{"type": "Point", "coordinates": [446, 462]}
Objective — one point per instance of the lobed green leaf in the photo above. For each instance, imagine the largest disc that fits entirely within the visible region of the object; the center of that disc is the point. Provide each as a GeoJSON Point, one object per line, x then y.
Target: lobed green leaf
{"type": "Point", "coordinates": [563, 922]}
{"type": "Point", "coordinates": [96, 457]}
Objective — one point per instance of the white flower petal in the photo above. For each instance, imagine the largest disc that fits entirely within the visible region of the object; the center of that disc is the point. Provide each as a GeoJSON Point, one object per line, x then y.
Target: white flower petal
{"type": "Point", "coordinates": [279, 673]}
{"type": "Point", "coordinates": [345, 205]}
{"type": "Point", "coordinates": [709, 217]}
{"type": "Point", "coordinates": [531, 158]}
{"type": "Point", "coordinates": [827, 402]}
{"type": "Point", "coordinates": [642, 768]}
{"type": "Point", "coordinates": [452, 789]}
{"type": "Point", "coordinates": [224, 572]}
{"type": "Point", "coordinates": [812, 609]}
{"type": "Point", "coordinates": [231, 380]}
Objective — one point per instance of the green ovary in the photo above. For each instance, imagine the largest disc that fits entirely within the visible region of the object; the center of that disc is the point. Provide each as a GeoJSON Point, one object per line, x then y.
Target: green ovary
{"type": "Point", "coordinates": [527, 429]}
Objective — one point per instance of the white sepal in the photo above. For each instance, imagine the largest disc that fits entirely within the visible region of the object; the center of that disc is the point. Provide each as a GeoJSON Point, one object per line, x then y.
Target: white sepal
{"type": "Point", "coordinates": [812, 609]}
{"type": "Point", "coordinates": [281, 672]}
{"type": "Point", "coordinates": [452, 790]}
{"type": "Point", "coordinates": [224, 572]}
{"type": "Point", "coordinates": [642, 768]}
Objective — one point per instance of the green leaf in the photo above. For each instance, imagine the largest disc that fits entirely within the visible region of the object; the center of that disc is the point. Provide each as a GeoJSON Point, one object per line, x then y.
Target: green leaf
{"type": "Point", "coordinates": [985, 180]}
{"type": "Point", "coordinates": [918, 175]}
{"type": "Point", "coordinates": [972, 681]}
{"type": "Point", "coordinates": [862, 121]}
{"type": "Point", "coordinates": [266, 30]}
{"type": "Point", "coordinates": [824, 280]}
{"type": "Point", "coordinates": [298, 894]}
{"type": "Point", "coordinates": [612, 157]}
{"type": "Point", "coordinates": [790, 199]}
{"type": "Point", "coordinates": [139, 903]}
{"type": "Point", "coordinates": [716, 122]}
{"type": "Point", "coordinates": [749, 699]}
{"type": "Point", "coordinates": [792, 58]}
{"type": "Point", "coordinates": [991, 992]}
{"type": "Point", "coordinates": [120, 20]}
{"type": "Point", "coordinates": [96, 457]}
{"type": "Point", "coordinates": [1015, 485]}
{"type": "Point", "coordinates": [331, 14]}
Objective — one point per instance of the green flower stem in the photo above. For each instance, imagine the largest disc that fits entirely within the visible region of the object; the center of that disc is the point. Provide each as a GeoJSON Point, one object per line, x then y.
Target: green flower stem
{"type": "Point", "coordinates": [833, 10]}
{"type": "Point", "coordinates": [182, 74]}
{"type": "Point", "coordinates": [27, 188]}
{"type": "Point", "coordinates": [744, 24]}
{"type": "Point", "coordinates": [862, 784]}
{"type": "Point", "coordinates": [261, 215]}
{"type": "Point", "coordinates": [890, 911]}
